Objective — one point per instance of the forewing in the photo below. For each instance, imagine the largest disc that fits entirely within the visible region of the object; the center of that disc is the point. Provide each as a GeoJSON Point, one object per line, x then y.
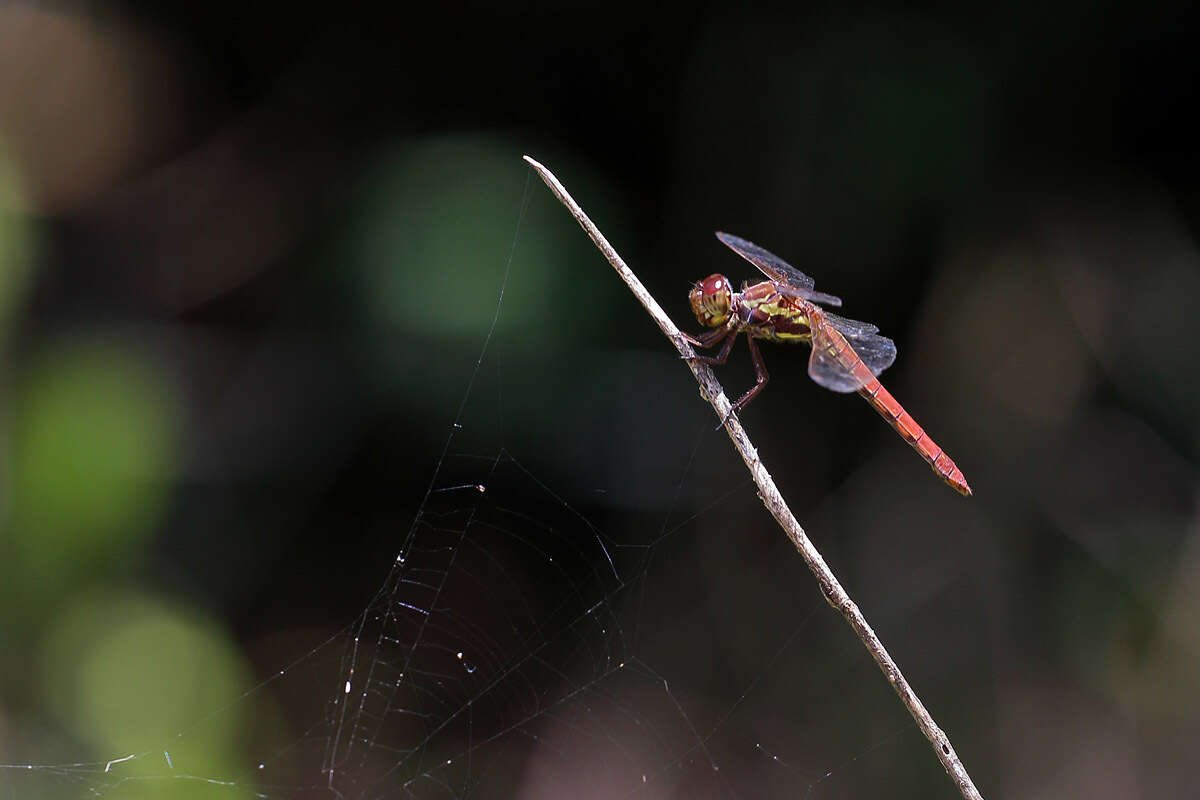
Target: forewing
{"type": "Point", "coordinates": [877, 353]}
{"type": "Point", "coordinates": [770, 264]}
{"type": "Point", "coordinates": [811, 295]}
{"type": "Point", "coordinates": [851, 327]}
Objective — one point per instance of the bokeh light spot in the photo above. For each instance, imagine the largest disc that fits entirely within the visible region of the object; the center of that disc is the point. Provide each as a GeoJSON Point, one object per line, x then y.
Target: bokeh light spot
{"type": "Point", "coordinates": [436, 233]}
{"type": "Point", "coordinates": [127, 672]}
{"type": "Point", "coordinates": [93, 432]}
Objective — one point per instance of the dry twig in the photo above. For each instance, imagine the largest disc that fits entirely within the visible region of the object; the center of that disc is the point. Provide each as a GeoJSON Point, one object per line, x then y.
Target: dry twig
{"type": "Point", "coordinates": [833, 591]}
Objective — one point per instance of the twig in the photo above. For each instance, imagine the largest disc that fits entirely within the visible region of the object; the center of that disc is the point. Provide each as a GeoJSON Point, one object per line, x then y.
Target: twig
{"type": "Point", "coordinates": [835, 595]}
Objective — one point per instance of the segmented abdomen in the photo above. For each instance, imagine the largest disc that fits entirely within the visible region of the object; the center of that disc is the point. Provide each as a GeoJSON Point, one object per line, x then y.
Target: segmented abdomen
{"type": "Point", "coordinates": [890, 409]}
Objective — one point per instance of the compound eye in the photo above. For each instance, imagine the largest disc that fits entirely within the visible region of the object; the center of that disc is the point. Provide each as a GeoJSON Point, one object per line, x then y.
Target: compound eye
{"type": "Point", "coordinates": [714, 285]}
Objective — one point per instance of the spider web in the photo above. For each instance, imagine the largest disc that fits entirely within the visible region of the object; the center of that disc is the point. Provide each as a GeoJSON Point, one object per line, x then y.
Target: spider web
{"type": "Point", "coordinates": [530, 641]}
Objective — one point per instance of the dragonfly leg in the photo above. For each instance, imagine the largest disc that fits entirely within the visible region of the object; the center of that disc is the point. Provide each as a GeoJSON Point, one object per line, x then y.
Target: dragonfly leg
{"type": "Point", "coordinates": [706, 339]}
{"type": "Point", "coordinates": [760, 377]}
{"type": "Point", "coordinates": [723, 354]}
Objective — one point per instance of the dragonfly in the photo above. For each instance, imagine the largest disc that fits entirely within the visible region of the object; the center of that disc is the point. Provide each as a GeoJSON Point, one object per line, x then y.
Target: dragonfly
{"type": "Point", "coordinates": [847, 355]}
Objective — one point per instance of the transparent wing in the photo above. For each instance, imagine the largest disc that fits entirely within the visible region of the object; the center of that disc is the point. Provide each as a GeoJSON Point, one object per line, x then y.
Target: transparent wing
{"type": "Point", "coordinates": [851, 327]}
{"type": "Point", "coordinates": [770, 264]}
{"type": "Point", "coordinates": [812, 295]}
{"type": "Point", "coordinates": [792, 282]}
{"type": "Point", "coordinates": [877, 353]}
{"type": "Point", "coordinates": [825, 370]}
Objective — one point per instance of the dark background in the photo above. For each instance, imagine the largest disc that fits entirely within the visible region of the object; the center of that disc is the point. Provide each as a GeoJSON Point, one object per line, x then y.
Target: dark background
{"type": "Point", "coordinates": [250, 256]}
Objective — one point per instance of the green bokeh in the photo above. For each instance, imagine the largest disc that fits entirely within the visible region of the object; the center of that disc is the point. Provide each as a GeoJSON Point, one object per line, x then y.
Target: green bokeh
{"type": "Point", "coordinates": [426, 260]}
{"type": "Point", "coordinates": [131, 674]}
{"type": "Point", "coordinates": [93, 430]}
{"type": "Point", "coordinates": [431, 231]}
{"type": "Point", "coordinates": [438, 225]}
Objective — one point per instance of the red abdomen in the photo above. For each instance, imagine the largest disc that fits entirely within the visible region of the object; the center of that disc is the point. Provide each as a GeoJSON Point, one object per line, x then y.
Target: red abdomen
{"type": "Point", "coordinates": [891, 410]}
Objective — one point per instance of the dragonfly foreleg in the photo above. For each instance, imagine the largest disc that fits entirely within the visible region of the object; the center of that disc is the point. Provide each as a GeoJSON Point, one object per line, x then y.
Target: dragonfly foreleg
{"type": "Point", "coordinates": [723, 354]}
{"type": "Point", "coordinates": [706, 339]}
{"type": "Point", "coordinates": [760, 377]}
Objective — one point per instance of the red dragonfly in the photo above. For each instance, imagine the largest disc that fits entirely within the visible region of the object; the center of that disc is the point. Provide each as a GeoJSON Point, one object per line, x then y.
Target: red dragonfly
{"type": "Point", "coordinates": [847, 355]}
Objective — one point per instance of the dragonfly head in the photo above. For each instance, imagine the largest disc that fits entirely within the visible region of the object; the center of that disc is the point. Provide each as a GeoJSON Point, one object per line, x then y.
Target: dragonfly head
{"type": "Point", "coordinates": [711, 299]}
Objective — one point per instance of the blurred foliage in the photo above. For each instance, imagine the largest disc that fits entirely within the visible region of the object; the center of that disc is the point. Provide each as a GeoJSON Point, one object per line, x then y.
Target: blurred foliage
{"type": "Point", "coordinates": [127, 673]}
{"type": "Point", "coordinates": [94, 429]}
{"type": "Point", "coordinates": [433, 210]}
{"type": "Point", "coordinates": [434, 244]}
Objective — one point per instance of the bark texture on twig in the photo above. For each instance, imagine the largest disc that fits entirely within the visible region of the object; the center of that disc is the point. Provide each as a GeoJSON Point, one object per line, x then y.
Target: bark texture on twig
{"type": "Point", "coordinates": [772, 499]}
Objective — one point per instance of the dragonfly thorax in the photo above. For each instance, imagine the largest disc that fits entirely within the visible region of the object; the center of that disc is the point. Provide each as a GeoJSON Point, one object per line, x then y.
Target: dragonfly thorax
{"type": "Point", "coordinates": [711, 300]}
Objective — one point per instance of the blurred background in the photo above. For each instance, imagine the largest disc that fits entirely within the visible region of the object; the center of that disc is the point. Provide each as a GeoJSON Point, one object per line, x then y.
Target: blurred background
{"type": "Point", "coordinates": [277, 294]}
